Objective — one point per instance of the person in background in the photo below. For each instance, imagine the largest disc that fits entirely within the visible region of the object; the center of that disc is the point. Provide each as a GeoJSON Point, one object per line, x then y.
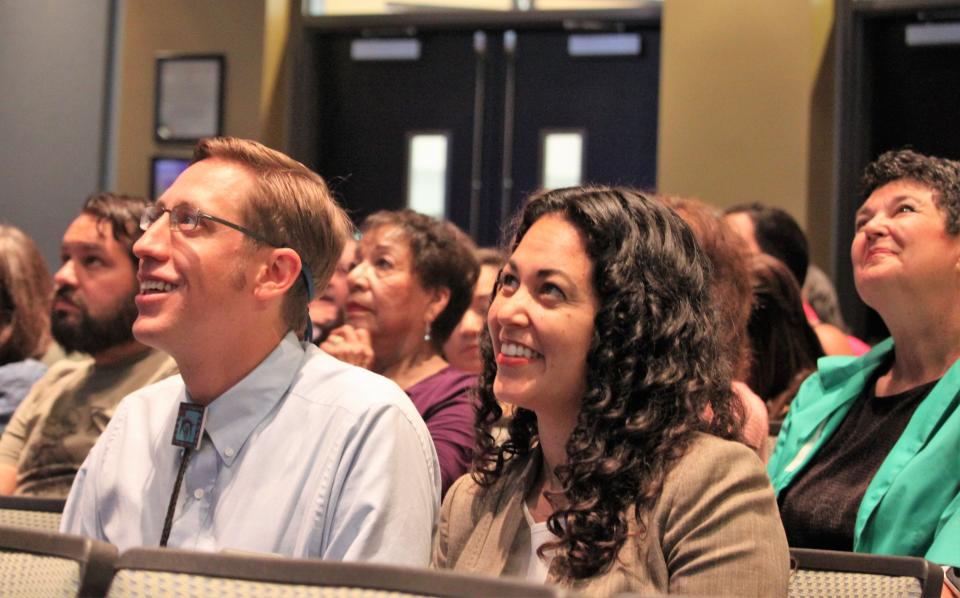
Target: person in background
{"type": "Point", "coordinates": [783, 345]}
{"type": "Point", "coordinates": [820, 300]}
{"type": "Point", "coordinates": [26, 292]}
{"type": "Point", "coordinates": [865, 459]}
{"type": "Point", "coordinates": [732, 295]}
{"type": "Point", "coordinates": [328, 310]}
{"type": "Point", "coordinates": [93, 311]}
{"type": "Point", "coordinates": [462, 349]}
{"type": "Point", "coordinates": [413, 279]}
{"type": "Point", "coordinates": [773, 231]}
{"type": "Point", "coordinates": [263, 443]}
{"type": "Point", "coordinates": [611, 480]}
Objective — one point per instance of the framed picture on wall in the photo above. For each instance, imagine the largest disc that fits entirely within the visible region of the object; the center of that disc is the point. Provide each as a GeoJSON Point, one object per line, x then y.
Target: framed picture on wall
{"type": "Point", "coordinates": [163, 171]}
{"type": "Point", "coordinates": [189, 97]}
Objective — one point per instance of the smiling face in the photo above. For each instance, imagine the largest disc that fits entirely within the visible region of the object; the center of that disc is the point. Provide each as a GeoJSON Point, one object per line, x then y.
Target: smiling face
{"type": "Point", "coordinates": [462, 349]}
{"type": "Point", "coordinates": [901, 248]}
{"type": "Point", "coordinates": [542, 319]}
{"type": "Point", "coordinates": [93, 307]}
{"type": "Point", "coordinates": [386, 298]}
{"type": "Point", "coordinates": [195, 284]}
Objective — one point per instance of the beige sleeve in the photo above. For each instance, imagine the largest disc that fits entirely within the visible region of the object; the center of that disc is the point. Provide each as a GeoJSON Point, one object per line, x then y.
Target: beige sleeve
{"type": "Point", "coordinates": [441, 558]}
{"type": "Point", "coordinates": [722, 534]}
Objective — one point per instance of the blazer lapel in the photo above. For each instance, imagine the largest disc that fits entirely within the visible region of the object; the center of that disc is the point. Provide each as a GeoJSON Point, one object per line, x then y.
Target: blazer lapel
{"type": "Point", "coordinates": [489, 546]}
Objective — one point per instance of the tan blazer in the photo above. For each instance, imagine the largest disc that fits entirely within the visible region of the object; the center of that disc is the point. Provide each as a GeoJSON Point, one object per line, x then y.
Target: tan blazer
{"type": "Point", "coordinates": [715, 530]}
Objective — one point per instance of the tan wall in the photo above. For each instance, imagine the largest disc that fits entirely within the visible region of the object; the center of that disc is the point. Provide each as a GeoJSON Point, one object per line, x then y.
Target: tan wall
{"type": "Point", "coordinates": [236, 28]}
{"type": "Point", "coordinates": [745, 106]}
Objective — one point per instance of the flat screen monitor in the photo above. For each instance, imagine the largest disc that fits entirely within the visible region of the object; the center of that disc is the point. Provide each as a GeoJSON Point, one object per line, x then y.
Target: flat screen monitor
{"type": "Point", "coordinates": [163, 171]}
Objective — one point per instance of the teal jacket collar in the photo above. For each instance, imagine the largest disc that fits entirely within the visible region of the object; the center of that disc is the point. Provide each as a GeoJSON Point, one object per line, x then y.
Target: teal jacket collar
{"type": "Point", "coordinates": [933, 431]}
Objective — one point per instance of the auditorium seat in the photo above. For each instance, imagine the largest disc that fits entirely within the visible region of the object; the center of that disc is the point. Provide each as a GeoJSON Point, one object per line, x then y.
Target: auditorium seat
{"type": "Point", "coordinates": [169, 572]}
{"type": "Point", "coordinates": [854, 575]}
{"type": "Point", "coordinates": [37, 563]}
{"type": "Point", "coordinates": [33, 513]}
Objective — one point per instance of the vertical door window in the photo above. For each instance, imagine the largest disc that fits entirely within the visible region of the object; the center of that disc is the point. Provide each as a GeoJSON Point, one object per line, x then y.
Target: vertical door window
{"type": "Point", "coordinates": [562, 158]}
{"type": "Point", "coordinates": [427, 173]}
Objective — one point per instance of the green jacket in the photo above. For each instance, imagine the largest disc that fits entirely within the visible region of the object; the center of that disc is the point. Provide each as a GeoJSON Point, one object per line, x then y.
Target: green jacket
{"type": "Point", "coordinates": [912, 505]}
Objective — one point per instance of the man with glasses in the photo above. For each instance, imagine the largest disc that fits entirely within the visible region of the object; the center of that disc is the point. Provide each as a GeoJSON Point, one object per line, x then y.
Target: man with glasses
{"type": "Point", "coordinates": [280, 448]}
{"type": "Point", "coordinates": [58, 422]}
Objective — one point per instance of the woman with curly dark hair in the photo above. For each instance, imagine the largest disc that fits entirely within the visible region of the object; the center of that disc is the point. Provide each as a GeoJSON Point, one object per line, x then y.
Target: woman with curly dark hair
{"type": "Point", "coordinates": [602, 335]}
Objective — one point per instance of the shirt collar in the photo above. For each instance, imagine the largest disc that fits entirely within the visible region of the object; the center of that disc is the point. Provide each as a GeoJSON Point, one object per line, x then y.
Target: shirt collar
{"type": "Point", "coordinates": [233, 416]}
{"type": "Point", "coordinates": [837, 370]}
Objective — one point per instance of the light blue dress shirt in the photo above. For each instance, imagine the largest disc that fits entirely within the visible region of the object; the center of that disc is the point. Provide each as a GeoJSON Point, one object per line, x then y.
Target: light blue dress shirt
{"type": "Point", "coordinates": [305, 457]}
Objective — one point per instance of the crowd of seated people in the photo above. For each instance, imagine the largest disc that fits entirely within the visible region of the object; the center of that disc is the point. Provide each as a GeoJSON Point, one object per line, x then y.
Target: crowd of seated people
{"type": "Point", "coordinates": [576, 408]}
{"type": "Point", "coordinates": [773, 231]}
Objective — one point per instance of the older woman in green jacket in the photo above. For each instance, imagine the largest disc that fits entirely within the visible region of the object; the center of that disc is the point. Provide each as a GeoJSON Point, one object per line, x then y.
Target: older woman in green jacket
{"type": "Point", "coordinates": [867, 457]}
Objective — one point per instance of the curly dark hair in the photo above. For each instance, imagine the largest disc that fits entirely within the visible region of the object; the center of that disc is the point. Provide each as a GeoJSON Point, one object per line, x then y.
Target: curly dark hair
{"type": "Point", "coordinates": [443, 256]}
{"type": "Point", "coordinates": [655, 375]}
{"type": "Point", "coordinates": [940, 175]}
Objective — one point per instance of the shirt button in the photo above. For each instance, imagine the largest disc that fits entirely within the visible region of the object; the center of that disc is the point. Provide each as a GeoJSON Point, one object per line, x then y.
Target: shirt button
{"type": "Point", "coordinates": [229, 452]}
{"type": "Point", "coordinates": [198, 493]}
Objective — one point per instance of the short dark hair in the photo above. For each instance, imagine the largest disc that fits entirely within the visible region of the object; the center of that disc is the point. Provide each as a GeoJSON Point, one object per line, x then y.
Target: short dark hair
{"type": "Point", "coordinates": [940, 175]}
{"type": "Point", "coordinates": [443, 257]}
{"type": "Point", "coordinates": [123, 212]}
{"type": "Point", "coordinates": [779, 235]}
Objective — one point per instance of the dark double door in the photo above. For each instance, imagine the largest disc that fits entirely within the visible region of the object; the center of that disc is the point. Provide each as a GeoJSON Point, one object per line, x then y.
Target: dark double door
{"type": "Point", "coordinates": [496, 91]}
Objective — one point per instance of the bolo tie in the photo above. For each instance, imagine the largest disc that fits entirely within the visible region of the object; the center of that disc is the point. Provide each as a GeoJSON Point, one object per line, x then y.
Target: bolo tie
{"type": "Point", "coordinates": [187, 434]}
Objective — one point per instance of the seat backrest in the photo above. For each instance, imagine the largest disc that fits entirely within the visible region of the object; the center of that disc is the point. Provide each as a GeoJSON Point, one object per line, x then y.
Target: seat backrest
{"type": "Point", "coordinates": [32, 513]}
{"type": "Point", "coordinates": [852, 574]}
{"type": "Point", "coordinates": [168, 572]}
{"type": "Point", "coordinates": [36, 563]}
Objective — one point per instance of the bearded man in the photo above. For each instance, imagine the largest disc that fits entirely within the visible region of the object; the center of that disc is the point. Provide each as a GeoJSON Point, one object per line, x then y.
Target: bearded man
{"type": "Point", "coordinates": [53, 429]}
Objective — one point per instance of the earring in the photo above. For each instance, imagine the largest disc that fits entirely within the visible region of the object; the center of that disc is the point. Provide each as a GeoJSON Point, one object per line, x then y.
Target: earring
{"type": "Point", "coordinates": [426, 333]}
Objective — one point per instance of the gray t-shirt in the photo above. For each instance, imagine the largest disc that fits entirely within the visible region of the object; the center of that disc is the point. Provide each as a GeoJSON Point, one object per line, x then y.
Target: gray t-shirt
{"type": "Point", "coordinates": [57, 424]}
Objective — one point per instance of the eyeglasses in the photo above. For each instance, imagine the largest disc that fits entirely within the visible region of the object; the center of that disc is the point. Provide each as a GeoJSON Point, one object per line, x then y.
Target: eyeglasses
{"type": "Point", "coordinates": [185, 219]}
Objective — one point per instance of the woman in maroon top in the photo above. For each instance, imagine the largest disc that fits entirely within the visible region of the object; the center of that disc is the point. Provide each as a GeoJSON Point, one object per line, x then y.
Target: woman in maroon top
{"type": "Point", "coordinates": [412, 280]}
